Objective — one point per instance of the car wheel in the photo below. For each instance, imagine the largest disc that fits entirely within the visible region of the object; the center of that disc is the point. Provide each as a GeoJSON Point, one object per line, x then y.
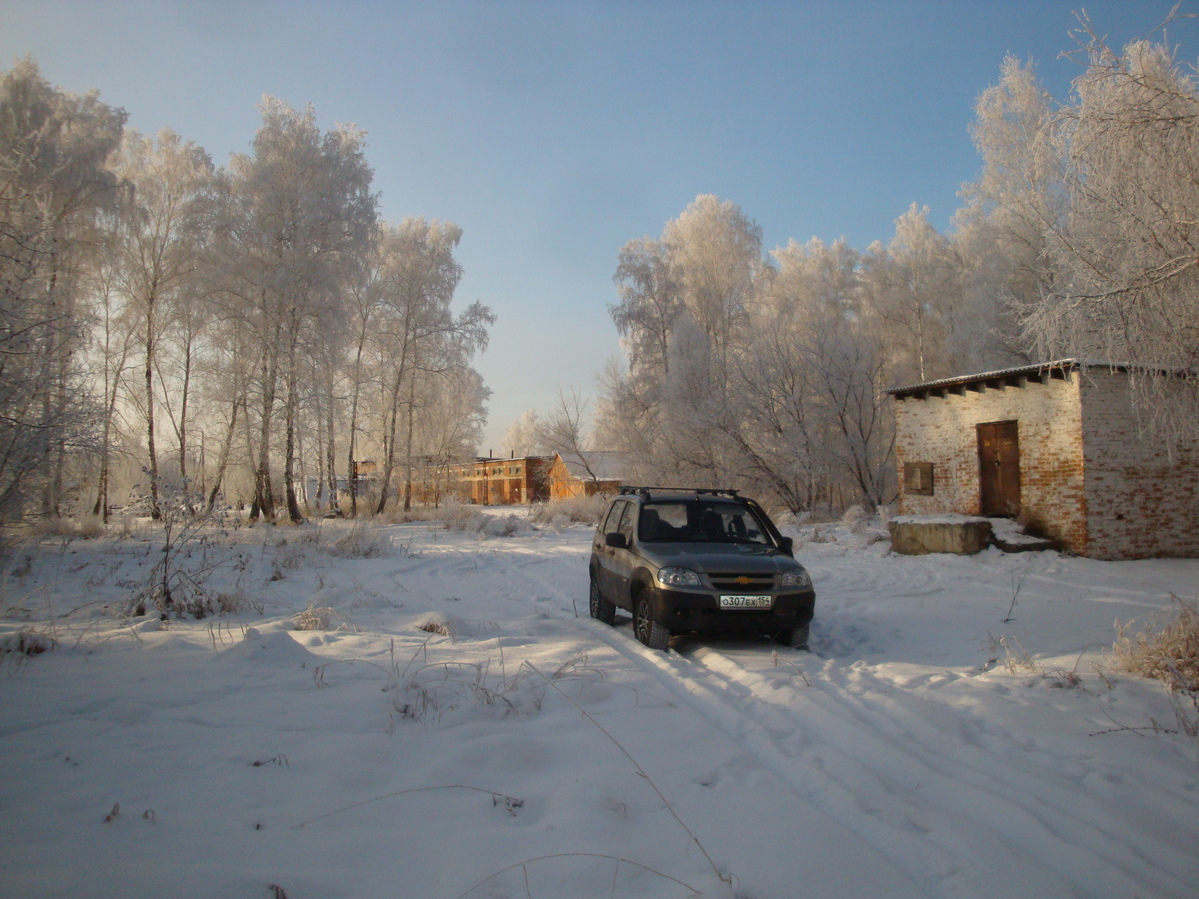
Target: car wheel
{"type": "Point", "coordinates": [601, 609]}
{"type": "Point", "coordinates": [648, 631]}
{"type": "Point", "coordinates": [797, 637]}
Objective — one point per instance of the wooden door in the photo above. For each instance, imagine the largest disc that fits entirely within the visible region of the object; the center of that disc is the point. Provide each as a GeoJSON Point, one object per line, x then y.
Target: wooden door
{"type": "Point", "coordinates": [999, 469]}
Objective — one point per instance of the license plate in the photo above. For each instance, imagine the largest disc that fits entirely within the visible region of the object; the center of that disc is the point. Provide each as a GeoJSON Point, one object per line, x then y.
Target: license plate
{"type": "Point", "coordinates": [746, 602]}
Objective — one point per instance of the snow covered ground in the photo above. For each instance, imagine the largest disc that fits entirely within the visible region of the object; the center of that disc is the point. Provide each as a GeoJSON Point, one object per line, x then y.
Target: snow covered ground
{"type": "Point", "coordinates": [456, 726]}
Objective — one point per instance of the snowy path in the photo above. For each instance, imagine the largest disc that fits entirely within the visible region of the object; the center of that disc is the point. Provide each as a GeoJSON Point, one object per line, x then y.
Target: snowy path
{"type": "Point", "coordinates": [522, 749]}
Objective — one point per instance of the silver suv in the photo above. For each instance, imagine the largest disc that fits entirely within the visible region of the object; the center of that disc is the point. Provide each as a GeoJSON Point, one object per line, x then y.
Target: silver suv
{"type": "Point", "coordinates": [697, 561]}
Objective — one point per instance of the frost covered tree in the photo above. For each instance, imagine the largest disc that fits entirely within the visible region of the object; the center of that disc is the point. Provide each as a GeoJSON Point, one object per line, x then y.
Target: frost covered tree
{"type": "Point", "coordinates": [157, 241]}
{"type": "Point", "coordinates": [815, 421]}
{"type": "Point", "coordinates": [650, 304]}
{"type": "Point", "coordinates": [914, 287]}
{"type": "Point", "coordinates": [567, 428]}
{"type": "Point", "coordinates": [766, 376]}
{"type": "Point", "coordinates": [685, 305]}
{"type": "Point", "coordinates": [1002, 233]}
{"type": "Point", "coordinates": [523, 437]}
{"type": "Point", "coordinates": [716, 254]}
{"type": "Point", "coordinates": [1126, 249]}
{"type": "Point", "coordinates": [417, 335]}
{"type": "Point", "coordinates": [299, 212]}
{"type": "Point", "coordinates": [113, 348]}
{"type": "Point", "coordinates": [53, 183]}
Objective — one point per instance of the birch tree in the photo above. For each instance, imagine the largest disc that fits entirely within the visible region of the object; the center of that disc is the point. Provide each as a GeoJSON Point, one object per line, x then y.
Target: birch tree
{"type": "Point", "coordinates": [417, 332]}
{"type": "Point", "coordinates": [1002, 233]}
{"type": "Point", "coordinates": [1128, 248]}
{"type": "Point", "coordinates": [53, 182]}
{"type": "Point", "coordinates": [157, 255]}
{"type": "Point", "coordinates": [301, 212]}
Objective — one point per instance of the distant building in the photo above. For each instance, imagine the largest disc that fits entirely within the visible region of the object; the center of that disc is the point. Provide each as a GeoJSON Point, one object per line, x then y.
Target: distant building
{"type": "Point", "coordinates": [1056, 446]}
{"type": "Point", "coordinates": [585, 474]}
{"type": "Point", "coordinates": [504, 482]}
{"type": "Point", "coordinates": [485, 481]}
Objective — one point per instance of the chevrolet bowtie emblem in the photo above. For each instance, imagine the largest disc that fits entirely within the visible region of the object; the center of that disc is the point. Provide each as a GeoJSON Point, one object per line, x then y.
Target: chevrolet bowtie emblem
{"type": "Point", "coordinates": [743, 580]}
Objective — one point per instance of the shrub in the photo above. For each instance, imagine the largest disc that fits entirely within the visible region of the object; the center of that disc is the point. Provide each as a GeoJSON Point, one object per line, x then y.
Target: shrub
{"type": "Point", "coordinates": [316, 618]}
{"type": "Point", "coordinates": [1168, 652]}
{"type": "Point", "coordinates": [86, 527]}
{"type": "Point", "coordinates": [362, 541]}
{"type": "Point", "coordinates": [576, 509]}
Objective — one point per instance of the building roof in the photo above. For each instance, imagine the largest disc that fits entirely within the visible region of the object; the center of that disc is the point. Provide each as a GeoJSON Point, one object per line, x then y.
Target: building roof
{"type": "Point", "coordinates": [1039, 372]}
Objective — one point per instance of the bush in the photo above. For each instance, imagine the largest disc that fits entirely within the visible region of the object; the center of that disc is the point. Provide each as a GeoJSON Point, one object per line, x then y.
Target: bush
{"type": "Point", "coordinates": [316, 618]}
{"type": "Point", "coordinates": [576, 509]}
{"type": "Point", "coordinates": [362, 541]}
{"type": "Point", "coordinates": [86, 527]}
{"type": "Point", "coordinates": [1168, 652]}
{"type": "Point", "coordinates": [457, 516]}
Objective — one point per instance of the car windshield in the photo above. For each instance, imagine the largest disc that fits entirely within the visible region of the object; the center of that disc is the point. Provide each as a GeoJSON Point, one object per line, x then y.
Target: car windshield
{"type": "Point", "coordinates": [699, 522]}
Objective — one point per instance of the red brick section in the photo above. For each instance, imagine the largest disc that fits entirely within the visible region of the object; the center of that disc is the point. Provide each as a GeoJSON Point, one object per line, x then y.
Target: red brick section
{"type": "Point", "coordinates": [1143, 499]}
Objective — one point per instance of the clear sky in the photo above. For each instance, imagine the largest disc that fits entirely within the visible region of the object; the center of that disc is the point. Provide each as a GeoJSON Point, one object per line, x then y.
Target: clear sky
{"type": "Point", "coordinates": [554, 132]}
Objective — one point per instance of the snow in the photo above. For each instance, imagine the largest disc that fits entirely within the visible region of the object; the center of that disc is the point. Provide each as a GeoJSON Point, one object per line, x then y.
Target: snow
{"type": "Point", "coordinates": [465, 730]}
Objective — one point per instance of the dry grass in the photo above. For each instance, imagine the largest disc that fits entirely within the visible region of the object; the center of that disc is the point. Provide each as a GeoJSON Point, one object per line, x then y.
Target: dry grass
{"type": "Point", "coordinates": [1166, 650]}
{"type": "Point", "coordinates": [317, 618]}
{"type": "Point", "coordinates": [362, 540]}
{"type": "Point", "coordinates": [576, 510]}
{"type": "Point", "coordinates": [85, 527]}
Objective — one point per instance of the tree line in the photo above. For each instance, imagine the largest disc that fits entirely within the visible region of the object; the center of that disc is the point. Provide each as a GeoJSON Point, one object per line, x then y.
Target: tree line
{"type": "Point", "coordinates": [169, 328]}
{"type": "Point", "coordinates": [1079, 238]}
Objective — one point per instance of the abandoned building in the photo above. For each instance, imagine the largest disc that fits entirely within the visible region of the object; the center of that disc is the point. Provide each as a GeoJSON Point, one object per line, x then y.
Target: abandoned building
{"type": "Point", "coordinates": [585, 474]}
{"type": "Point", "coordinates": [1057, 446]}
{"type": "Point", "coordinates": [518, 480]}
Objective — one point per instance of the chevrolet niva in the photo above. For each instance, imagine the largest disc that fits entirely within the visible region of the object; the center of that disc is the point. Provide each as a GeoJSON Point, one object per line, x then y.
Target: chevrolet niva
{"type": "Point", "coordinates": [693, 561]}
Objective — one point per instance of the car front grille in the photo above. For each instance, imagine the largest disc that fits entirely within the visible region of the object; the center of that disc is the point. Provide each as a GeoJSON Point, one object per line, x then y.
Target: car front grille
{"type": "Point", "coordinates": [742, 582]}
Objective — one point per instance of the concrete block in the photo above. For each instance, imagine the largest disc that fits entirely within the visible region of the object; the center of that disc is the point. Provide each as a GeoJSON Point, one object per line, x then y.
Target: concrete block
{"type": "Point", "coordinates": [962, 536]}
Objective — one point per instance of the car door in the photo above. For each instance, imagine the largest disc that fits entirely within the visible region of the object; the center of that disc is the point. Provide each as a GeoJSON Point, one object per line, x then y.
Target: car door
{"type": "Point", "coordinates": [604, 554]}
{"type": "Point", "coordinates": [622, 559]}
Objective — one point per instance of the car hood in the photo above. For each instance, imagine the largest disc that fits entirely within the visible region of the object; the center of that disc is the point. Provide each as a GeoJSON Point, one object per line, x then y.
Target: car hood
{"type": "Point", "coordinates": [746, 558]}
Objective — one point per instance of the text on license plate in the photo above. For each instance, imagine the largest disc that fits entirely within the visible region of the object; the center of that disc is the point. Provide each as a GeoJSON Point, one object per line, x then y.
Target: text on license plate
{"type": "Point", "coordinates": [745, 602]}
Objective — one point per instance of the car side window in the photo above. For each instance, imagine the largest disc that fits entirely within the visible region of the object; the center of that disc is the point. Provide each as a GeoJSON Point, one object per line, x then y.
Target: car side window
{"type": "Point", "coordinates": [613, 518]}
{"type": "Point", "coordinates": [626, 523]}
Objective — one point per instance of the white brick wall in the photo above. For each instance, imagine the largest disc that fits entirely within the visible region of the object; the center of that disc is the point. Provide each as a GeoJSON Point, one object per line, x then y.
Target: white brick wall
{"type": "Point", "coordinates": [1089, 476]}
{"type": "Point", "coordinates": [942, 431]}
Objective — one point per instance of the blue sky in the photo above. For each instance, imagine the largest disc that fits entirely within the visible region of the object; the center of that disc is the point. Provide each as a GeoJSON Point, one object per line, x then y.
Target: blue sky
{"type": "Point", "coordinates": [553, 133]}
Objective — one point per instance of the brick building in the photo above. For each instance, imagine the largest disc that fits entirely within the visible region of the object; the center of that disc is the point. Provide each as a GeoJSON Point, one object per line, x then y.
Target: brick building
{"type": "Point", "coordinates": [1057, 446]}
{"type": "Point", "coordinates": [574, 474]}
{"type": "Point", "coordinates": [504, 482]}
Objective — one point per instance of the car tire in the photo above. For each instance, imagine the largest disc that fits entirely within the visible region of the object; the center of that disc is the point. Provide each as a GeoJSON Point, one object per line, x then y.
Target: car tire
{"type": "Point", "coordinates": [648, 631]}
{"type": "Point", "coordinates": [796, 637]}
{"type": "Point", "coordinates": [601, 609]}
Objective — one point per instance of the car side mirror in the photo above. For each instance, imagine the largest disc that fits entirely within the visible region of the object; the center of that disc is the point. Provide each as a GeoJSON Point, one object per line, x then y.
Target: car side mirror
{"type": "Point", "coordinates": [787, 545]}
{"type": "Point", "coordinates": [616, 540]}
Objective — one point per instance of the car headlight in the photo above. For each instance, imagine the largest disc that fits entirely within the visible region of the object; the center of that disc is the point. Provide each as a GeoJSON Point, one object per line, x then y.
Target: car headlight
{"type": "Point", "coordinates": [678, 577]}
{"type": "Point", "coordinates": [797, 577]}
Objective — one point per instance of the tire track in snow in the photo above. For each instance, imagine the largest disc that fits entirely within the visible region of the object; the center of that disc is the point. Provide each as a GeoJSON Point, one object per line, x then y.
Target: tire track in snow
{"type": "Point", "coordinates": [894, 766]}
{"type": "Point", "coordinates": [889, 764]}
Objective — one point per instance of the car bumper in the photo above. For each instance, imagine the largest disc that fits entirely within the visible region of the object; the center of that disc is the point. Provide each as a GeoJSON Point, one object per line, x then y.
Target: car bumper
{"type": "Point", "coordinates": [684, 612]}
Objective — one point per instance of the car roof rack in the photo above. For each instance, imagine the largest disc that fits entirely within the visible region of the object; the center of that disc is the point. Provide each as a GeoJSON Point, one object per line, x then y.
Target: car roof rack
{"type": "Point", "coordinates": [645, 492]}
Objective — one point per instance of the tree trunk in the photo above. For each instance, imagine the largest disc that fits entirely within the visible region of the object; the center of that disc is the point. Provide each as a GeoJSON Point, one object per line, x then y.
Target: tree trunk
{"type": "Point", "coordinates": [264, 499]}
{"type": "Point", "coordinates": [331, 453]}
{"type": "Point", "coordinates": [155, 508]}
{"type": "Point", "coordinates": [226, 451]}
{"type": "Point", "coordinates": [351, 465]}
{"type": "Point", "coordinates": [187, 372]}
{"type": "Point", "coordinates": [408, 445]}
{"type": "Point", "coordinates": [390, 442]}
{"type": "Point", "coordinates": [289, 460]}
